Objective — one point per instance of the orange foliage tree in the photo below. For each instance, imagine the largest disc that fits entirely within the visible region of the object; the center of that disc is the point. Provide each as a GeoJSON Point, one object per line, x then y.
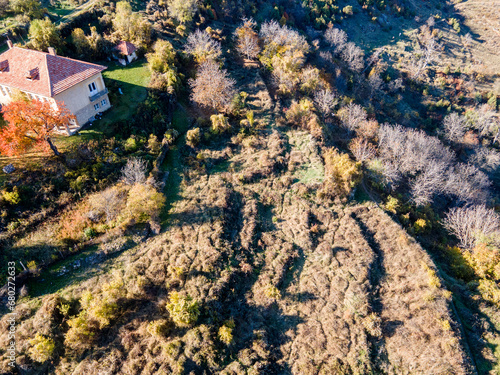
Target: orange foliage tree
{"type": "Point", "coordinates": [30, 125]}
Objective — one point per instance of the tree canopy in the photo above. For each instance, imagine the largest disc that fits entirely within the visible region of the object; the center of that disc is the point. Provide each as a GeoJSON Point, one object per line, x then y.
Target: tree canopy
{"type": "Point", "coordinates": [30, 125]}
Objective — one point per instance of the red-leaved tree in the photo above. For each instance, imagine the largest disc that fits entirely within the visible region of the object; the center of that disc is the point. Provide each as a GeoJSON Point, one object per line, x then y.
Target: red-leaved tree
{"type": "Point", "coordinates": [30, 125]}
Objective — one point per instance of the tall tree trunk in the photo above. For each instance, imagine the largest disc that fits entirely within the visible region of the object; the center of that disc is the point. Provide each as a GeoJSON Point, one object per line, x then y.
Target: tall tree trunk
{"type": "Point", "coordinates": [53, 147]}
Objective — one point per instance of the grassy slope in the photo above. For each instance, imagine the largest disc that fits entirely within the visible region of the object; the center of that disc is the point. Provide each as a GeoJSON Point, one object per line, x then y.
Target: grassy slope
{"type": "Point", "coordinates": [349, 299]}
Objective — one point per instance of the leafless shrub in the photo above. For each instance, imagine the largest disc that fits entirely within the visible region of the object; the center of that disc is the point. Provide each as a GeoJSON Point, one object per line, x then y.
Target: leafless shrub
{"type": "Point", "coordinates": [337, 38]}
{"type": "Point", "coordinates": [325, 101]}
{"type": "Point", "coordinates": [202, 47]}
{"type": "Point", "coordinates": [454, 127]}
{"type": "Point", "coordinates": [431, 21]}
{"type": "Point", "coordinates": [247, 39]}
{"type": "Point", "coordinates": [352, 55]}
{"type": "Point", "coordinates": [352, 116]}
{"type": "Point", "coordinates": [212, 87]}
{"type": "Point", "coordinates": [466, 40]}
{"type": "Point", "coordinates": [470, 223]}
{"type": "Point", "coordinates": [134, 172]}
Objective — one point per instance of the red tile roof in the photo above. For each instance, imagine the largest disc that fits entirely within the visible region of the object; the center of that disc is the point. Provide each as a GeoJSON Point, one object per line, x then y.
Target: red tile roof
{"type": "Point", "coordinates": [125, 48]}
{"type": "Point", "coordinates": [55, 73]}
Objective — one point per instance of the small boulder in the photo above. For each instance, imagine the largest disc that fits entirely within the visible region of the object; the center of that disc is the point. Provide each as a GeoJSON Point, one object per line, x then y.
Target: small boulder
{"type": "Point", "coordinates": [9, 168]}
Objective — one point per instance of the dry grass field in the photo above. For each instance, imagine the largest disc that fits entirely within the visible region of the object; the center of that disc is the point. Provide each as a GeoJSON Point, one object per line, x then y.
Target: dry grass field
{"type": "Point", "coordinates": [310, 287]}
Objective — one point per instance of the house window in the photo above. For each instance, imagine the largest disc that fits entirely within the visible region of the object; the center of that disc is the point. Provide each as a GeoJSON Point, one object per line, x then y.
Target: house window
{"type": "Point", "coordinates": [104, 102]}
{"type": "Point", "coordinates": [96, 106]}
{"type": "Point", "coordinates": [92, 87]}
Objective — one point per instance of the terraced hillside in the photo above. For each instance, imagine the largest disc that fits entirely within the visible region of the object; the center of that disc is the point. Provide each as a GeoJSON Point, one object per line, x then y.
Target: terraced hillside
{"type": "Point", "coordinates": [305, 286]}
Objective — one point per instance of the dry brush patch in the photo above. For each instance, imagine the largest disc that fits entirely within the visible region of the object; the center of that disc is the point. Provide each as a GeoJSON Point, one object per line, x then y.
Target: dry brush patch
{"type": "Point", "coordinates": [419, 330]}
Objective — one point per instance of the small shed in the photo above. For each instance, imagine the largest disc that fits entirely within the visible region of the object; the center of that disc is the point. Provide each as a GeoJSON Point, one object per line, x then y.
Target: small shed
{"type": "Point", "coordinates": [125, 52]}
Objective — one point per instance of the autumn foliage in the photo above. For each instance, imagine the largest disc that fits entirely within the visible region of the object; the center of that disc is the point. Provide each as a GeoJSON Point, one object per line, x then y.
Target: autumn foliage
{"type": "Point", "coordinates": [30, 125]}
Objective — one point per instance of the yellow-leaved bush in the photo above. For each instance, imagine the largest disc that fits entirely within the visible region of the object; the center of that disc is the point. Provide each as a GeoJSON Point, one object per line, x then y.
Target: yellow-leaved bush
{"type": "Point", "coordinates": [342, 174]}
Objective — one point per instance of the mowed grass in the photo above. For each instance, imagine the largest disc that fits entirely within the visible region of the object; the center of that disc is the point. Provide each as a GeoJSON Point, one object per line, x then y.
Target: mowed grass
{"type": "Point", "coordinates": [133, 80]}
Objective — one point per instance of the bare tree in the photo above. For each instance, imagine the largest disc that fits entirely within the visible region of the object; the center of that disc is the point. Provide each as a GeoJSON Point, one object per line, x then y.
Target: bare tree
{"type": "Point", "coordinates": [182, 10]}
{"type": "Point", "coordinates": [420, 60]}
{"type": "Point", "coordinates": [391, 173]}
{"type": "Point", "coordinates": [202, 47]}
{"type": "Point", "coordinates": [375, 83]}
{"type": "Point", "coordinates": [283, 36]}
{"type": "Point", "coordinates": [454, 127]}
{"type": "Point", "coordinates": [310, 79]}
{"type": "Point", "coordinates": [109, 203]}
{"type": "Point", "coordinates": [325, 101]}
{"type": "Point", "coordinates": [468, 184]}
{"type": "Point", "coordinates": [467, 41]}
{"type": "Point", "coordinates": [486, 159]}
{"type": "Point", "coordinates": [352, 55]}
{"type": "Point", "coordinates": [247, 40]}
{"type": "Point", "coordinates": [428, 183]}
{"type": "Point", "coordinates": [337, 38]}
{"type": "Point", "coordinates": [396, 85]}
{"type": "Point", "coordinates": [469, 224]}
{"type": "Point", "coordinates": [134, 172]}
{"type": "Point", "coordinates": [422, 161]}
{"type": "Point", "coordinates": [362, 149]}
{"type": "Point", "coordinates": [212, 88]}
{"type": "Point", "coordinates": [352, 116]}
{"type": "Point", "coordinates": [482, 119]}
{"type": "Point", "coordinates": [284, 53]}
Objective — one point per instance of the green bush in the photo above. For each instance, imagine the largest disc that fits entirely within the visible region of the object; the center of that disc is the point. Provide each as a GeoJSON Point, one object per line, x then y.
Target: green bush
{"type": "Point", "coordinates": [493, 102]}
{"type": "Point", "coordinates": [42, 348]}
{"type": "Point", "coordinates": [158, 328]}
{"type": "Point", "coordinates": [348, 10]}
{"type": "Point", "coordinates": [82, 332]}
{"type": "Point", "coordinates": [220, 123]}
{"type": "Point", "coordinates": [12, 197]}
{"type": "Point", "coordinates": [193, 137]}
{"type": "Point", "coordinates": [144, 203]}
{"type": "Point", "coordinates": [131, 145]}
{"type": "Point", "coordinates": [89, 233]}
{"type": "Point", "coordinates": [341, 175]}
{"type": "Point", "coordinates": [184, 311]}
{"type": "Point", "coordinates": [225, 332]}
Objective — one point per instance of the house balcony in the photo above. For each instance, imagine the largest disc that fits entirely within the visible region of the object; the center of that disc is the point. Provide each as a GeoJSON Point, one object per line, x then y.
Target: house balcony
{"type": "Point", "coordinates": [98, 95]}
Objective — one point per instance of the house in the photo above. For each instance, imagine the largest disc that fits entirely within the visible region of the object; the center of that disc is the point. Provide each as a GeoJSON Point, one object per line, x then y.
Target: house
{"type": "Point", "coordinates": [125, 52]}
{"type": "Point", "coordinates": [49, 77]}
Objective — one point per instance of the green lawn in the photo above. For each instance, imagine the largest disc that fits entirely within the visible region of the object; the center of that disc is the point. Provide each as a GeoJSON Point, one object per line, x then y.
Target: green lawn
{"type": "Point", "coordinates": [133, 80]}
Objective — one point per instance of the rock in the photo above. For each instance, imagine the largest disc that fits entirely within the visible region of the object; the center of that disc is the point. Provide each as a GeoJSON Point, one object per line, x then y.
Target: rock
{"type": "Point", "coordinates": [9, 168]}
